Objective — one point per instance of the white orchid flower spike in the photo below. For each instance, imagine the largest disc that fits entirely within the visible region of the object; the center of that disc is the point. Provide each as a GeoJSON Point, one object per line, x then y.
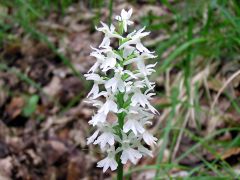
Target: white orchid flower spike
{"type": "Point", "coordinates": [123, 91]}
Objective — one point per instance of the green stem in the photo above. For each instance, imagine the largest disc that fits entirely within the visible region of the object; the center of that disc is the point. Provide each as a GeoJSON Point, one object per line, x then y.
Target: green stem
{"type": "Point", "coordinates": [121, 117]}
{"type": "Point", "coordinates": [110, 7]}
{"type": "Point", "coordinates": [120, 168]}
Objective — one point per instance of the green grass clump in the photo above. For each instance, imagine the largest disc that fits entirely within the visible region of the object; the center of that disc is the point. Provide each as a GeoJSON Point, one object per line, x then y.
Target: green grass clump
{"type": "Point", "coordinates": [194, 40]}
{"type": "Point", "coordinates": [200, 37]}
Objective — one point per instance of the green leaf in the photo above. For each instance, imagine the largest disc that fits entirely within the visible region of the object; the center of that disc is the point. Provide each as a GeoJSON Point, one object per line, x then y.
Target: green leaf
{"type": "Point", "coordinates": [31, 105]}
{"type": "Point", "coordinates": [179, 50]}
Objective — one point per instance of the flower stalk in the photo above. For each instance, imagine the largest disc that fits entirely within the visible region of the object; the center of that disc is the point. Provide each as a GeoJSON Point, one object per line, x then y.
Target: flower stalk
{"type": "Point", "coordinates": [126, 94]}
{"type": "Point", "coordinates": [121, 117]}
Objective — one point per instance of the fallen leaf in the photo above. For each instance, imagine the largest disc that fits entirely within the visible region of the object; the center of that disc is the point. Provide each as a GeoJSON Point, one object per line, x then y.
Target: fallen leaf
{"type": "Point", "coordinates": [231, 153]}
{"type": "Point", "coordinates": [53, 87]}
{"type": "Point", "coordinates": [6, 168]}
{"type": "Point", "coordinates": [15, 107]}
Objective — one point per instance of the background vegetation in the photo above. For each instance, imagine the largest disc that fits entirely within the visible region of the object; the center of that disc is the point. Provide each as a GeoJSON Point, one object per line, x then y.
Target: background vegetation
{"type": "Point", "coordinates": [44, 48]}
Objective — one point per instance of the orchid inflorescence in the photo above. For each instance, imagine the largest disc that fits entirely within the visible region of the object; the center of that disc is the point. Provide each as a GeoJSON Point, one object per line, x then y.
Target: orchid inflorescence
{"type": "Point", "coordinates": [126, 92]}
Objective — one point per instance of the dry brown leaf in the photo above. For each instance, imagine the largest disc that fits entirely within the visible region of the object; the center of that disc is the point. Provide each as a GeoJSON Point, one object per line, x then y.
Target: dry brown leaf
{"type": "Point", "coordinates": [55, 121]}
{"type": "Point", "coordinates": [15, 107]}
{"type": "Point", "coordinates": [235, 151]}
{"type": "Point", "coordinates": [215, 84]}
{"type": "Point", "coordinates": [35, 158]}
{"type": "Point", "coordinates": [6, 168]}
{"type": "Point", "coordinates": [76, 168]}
{"type": "Point", "coordinates": [53, 87]}
{"type": "Point", "coordinates": [54, 151]}
{"type": "Point", "coordinates": [79, 137]}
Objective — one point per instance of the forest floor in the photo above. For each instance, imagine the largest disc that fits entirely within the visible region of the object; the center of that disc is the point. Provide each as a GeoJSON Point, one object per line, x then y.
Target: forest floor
{"type": "Point", "coordinates": [44, 119]}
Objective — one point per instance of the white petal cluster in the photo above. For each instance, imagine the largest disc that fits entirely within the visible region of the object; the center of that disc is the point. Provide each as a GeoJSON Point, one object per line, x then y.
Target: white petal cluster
{"type": "Point", "coordinates": [121, 86]}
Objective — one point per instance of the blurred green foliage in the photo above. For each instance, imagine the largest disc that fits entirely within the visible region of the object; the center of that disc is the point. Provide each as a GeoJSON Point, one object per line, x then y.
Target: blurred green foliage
{"type": "Point", "coordinates": [196, 34]}
{"type": "Point", "coordinates": [31, 105]}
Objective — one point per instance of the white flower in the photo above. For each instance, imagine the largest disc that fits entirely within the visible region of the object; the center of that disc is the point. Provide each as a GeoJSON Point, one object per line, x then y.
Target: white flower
{"type": "Point", "coordinates": [130, 74]}
{"type": "Point", "coordinates": [109, 105]}
{"type": "Point", "coordinates": [109, 63]}
{"type": "Point", "coordinates": [139, 98]}
{"type": "Point", "coordinates": [98, 118]}
{"type": "Point", "coordinates": [109, 33]}
{"type": "Point", "coordinates": [135, 39]}
{"type": "Point", "coordinates": [145, 70]}
{"type": "Point", "coordinates": [109, 161]}
{"type": "Point", "coordinates": [149, 139]}
{"type": "Point", "coordinates": [133, 124]}
{"type": "Point", "coordinates": [104, 139]}
{"type": "Point", "coordinates": [142, 114]}
{"type": "Point", "coordinates": [127, 51]}
{"type": "Point", "coordinates": [142, 99]}
{"type": "Point", "coordinates": [97, 80]}
{"type": "Point", "coordinates": [149, 84]}
{"type": "Point", "coordinates": [94, 77]}
{"type": "Point", "coordinates": [110, 59]}
{"type": "Point", "coordinates": [125, 16]}
{"type": "Point", "coordinates": [94, 102]}
{"type": "Point", "coordinates": [93, 137]}
{"type": "Point", "coordinates": [116, 83]}
{"type": "Point", "coordinates": [94, 91]}
{"type": "Point", "coordinates": [100, 59]}
{"type": "Point", "coordinates": [130, 154]}
{"type": "Point", "coordinates": [144, 150]}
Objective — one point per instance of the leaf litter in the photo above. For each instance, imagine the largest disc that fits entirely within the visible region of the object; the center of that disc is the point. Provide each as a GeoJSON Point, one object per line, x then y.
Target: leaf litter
{"type": "Point", "coordinates": [50, 143]}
